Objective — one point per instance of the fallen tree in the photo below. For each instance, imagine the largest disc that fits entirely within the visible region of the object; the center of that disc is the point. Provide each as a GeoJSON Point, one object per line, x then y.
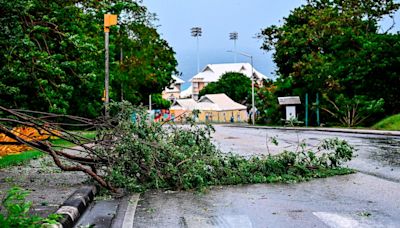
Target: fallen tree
{"type": "Point", "coordinates": [136, 154]}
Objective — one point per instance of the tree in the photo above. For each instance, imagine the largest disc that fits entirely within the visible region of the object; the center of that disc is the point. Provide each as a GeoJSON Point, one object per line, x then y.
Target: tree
{"type": "Point", "coordinates": [148, 63]}
{"type": "Point", "coordinates": [160, 103]}
{"type": "Point", "coordinates": [267, 103]}
{"type": "Point", "coordinates": [48, 56]}
{"type": "Point", "coordinates": [52, 55]}
{"type": "Point", "coordinates": [237, 86]}
{"type": "Point", "coordinates": [352, 112]}
{"type": "Point", "coordinates": [332, 47]}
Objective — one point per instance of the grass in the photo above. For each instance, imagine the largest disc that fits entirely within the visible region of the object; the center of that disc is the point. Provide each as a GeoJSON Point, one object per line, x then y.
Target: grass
{"type": "Point", "coordinates": [391, 123]}
{"type": "Point", "coordinates": [25, 157]}
{"type": "Point", "coordinates": [19, 159]}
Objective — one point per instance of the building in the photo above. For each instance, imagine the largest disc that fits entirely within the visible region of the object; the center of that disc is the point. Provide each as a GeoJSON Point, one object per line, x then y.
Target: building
{"type": "Point", "coordinates": [174, 90]}
{"type": "Point", "coordinates": [217, 108]}
{"type": "Point", "coordinates": [213, 72]}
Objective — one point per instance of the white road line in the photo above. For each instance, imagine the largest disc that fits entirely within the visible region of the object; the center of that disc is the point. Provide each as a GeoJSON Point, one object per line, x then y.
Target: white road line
{"type": "Point", "coordinates": [225, 221]}
{"type": "Point", "coordinates": [338, 221]}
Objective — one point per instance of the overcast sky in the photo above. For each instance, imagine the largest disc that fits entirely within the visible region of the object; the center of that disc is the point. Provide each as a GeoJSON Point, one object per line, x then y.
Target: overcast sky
{"type": "Point", "coordinates": [218, 18]}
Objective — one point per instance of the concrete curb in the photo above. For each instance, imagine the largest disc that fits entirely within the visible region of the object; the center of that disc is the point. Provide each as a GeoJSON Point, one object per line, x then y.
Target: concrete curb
{"type": "Point", "coordinates": [130, 211]}
{"type": "Point", "coordinates": [75, 205]}
{"type": "Point", "coordinates": [126, 211]}
{"type": "Point", "coordinates": [341, 130]}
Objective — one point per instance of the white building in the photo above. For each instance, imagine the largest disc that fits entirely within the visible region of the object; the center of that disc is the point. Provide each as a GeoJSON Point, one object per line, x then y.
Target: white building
{"type": "Point", "coordinates": [173, 91]}
{"type": "Point", "coordinates": [213, 72]}
{"type": "Point", "coordinates": [213, 108]}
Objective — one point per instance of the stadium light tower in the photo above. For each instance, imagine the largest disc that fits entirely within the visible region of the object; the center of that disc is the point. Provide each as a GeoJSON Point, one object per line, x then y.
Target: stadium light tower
{"type": "Point", "coordinates": [196, 32]}
{"type": "Point", "coordinates": [234, 36]}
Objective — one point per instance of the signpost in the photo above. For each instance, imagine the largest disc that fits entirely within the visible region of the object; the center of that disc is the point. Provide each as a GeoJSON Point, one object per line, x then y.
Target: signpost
{"type": "Point", "coordinates": [306, 119]}
{"type": "Point", "coordinates": [109, 20]}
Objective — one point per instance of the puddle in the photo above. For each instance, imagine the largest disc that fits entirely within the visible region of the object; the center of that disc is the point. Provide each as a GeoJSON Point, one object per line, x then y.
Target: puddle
{"type": "Point", "coordinates": [386, 151]}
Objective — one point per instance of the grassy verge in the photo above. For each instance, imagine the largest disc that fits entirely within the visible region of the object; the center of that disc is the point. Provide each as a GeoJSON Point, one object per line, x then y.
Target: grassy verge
{"type": "Point", "coordinates": [25, 157]}
{"type": "Point", "coordinates": [19, 159]}
{"type": "Point", "coordinates": [391, 123]}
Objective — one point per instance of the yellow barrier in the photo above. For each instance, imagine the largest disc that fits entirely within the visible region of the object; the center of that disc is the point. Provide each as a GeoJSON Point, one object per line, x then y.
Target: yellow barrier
{"type": "Point", "coordinates": [26, 133]}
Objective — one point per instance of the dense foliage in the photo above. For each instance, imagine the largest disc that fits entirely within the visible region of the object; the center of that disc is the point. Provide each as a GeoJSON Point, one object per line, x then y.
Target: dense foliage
{"type": "Point", "coordinates": [336, 49]}
{"type": "Point", "coordinates": [52, 55]}
{"type": "Point", "coordinates": [235, 85]}
{"type": "Point", "coordinates": [149, 155]}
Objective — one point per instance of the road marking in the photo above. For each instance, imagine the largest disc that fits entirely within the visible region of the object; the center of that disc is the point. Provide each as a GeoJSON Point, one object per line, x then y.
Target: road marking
{"type": "Point", "coordinates": [234, 221]}
{"type": "Point", "coordinates": [338, 221]}
{"type": "Point", "coordinates": [130, 211]}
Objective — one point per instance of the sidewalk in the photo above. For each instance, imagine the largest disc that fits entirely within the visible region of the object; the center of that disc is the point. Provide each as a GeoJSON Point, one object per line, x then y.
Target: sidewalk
{"type": "Point", "coordinates": [49, 187]}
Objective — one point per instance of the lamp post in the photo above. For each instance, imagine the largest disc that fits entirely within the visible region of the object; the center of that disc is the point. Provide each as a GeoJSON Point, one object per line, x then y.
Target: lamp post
{"type": "Point", "coordinates": [234, 36]}
{"type": "Point", "coordinates": [196, 32]}
{"type": "Point", "coordinates": [253, 108]}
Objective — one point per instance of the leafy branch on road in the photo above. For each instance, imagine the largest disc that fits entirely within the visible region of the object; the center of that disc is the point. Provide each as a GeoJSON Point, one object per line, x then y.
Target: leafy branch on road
{"type": "Point", "coordinates": [133, 153]}
{"type": "Point", "coordinates": [14, 211]}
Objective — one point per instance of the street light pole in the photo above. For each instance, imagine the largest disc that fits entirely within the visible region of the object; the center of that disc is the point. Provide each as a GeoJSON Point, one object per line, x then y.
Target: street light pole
{"type": "Point", "coordinates": [253, 108]}
{"type": "Point", "coordinates": [252, 92]}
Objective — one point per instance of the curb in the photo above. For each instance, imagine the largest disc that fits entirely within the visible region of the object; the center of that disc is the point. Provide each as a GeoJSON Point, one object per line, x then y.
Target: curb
{"type": "Point", "coordinates": [75, 205]}
{"type": "Point", "coordinates": [350, 131]}
{"type": "Point", "coordinates": [126, 211]}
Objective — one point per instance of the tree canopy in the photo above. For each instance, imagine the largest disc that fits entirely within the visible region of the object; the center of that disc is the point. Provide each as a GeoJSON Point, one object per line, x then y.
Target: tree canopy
{"type": "Point", "coordinates": [336, 48]}
{"type": "Point", "coordinates": [52, 55]}
{"type": "Point", "coordinates": [235, 85]}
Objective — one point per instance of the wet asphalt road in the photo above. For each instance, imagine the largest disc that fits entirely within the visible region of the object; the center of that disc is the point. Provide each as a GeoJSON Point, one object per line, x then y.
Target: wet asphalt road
{"type": "Point", "coordinates": [377, 155]}
{"type": "Point", "coordinates": [369, 198]}
{"type": "Point", "coordinates": [356, 200]}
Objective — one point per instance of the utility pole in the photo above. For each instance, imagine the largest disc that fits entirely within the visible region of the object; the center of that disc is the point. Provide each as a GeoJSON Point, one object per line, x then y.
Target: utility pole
{"type": "Point", "coordinates": [109, 19]}
{"type": "Point", "coordinates": [150, 116]}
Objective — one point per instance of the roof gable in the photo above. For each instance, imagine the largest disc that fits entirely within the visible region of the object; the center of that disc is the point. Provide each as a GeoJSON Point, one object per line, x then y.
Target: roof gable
{"type": "Point", "coordinates": [208, 68]}
{"type": "Point", "coordinates": [213, 72]}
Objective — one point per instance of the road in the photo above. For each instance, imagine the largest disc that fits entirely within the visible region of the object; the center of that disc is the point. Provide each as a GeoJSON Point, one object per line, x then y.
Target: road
{"type": "Point", "coordinates": [369, 198]}
{"type": "Point", "coordinates": [377, 155]}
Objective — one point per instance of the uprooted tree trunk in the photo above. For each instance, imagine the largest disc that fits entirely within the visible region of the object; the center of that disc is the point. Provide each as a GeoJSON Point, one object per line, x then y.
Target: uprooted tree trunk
{"type": "Point", "coordinates": [81, 157]}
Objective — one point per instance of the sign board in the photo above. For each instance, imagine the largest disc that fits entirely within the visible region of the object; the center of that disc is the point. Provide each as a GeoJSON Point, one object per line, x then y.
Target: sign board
{"type": "Point", "coordinates": [109, 19]}
{"type": "Point", "coordinates": [290, 112]}
{"type": "Point", "coordinates": [289, 100]}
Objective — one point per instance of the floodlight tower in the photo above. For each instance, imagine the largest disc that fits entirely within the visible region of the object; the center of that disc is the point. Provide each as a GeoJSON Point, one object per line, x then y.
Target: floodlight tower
{"type": "Point", "coordinates": [234, 36]}
{"type": "Point", "coordinates": [196, 32]}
